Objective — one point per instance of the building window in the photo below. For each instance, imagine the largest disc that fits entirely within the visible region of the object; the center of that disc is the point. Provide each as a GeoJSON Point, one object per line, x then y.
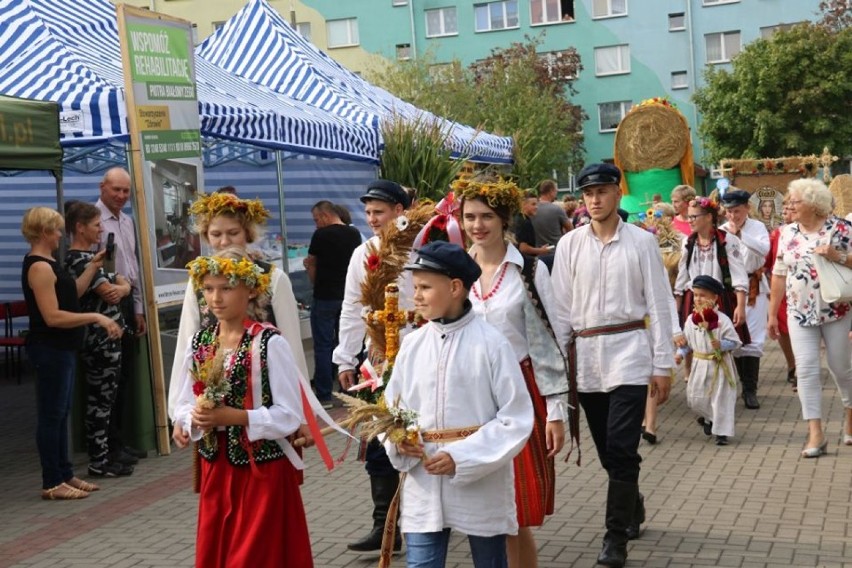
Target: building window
{"type": "Point", "coordinates": [769, 31]}
{"type": "Point", "coordinates": [722, 47]}
{"type": "Point", "coordinates": [496, 15]}
{"type": "Point", "coordinates": [444, 72]}
{"type": "Point", "coordinates": [610, 114]}
{"type": "Point", "coordinates": [679, 80]}
{"type": "Point", "coordinates": [552, 59]}
{"type": "Point", "coordinates": [677, 22]}
{"type": "Point", "coordinates": [403, 51]}
{"type": "Point", "coordinates": [612, 60]}
{"type": "Point", "coordinates": [399, 2]}
{"type": "Point", "coordinates": [304, 29]}
{"type": "Point", "coordinates": [551, 11]}
{"type": "Point", "coordinates": [342, 33]}
{"type": "Point", "coordinates": [441, 22]}
{"type": "Point", "coordinates": [609, 8]}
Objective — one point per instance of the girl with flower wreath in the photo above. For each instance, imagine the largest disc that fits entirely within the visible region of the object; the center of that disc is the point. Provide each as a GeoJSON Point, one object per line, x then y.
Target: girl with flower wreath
{"type": "Point", "coordinates": [710, 337]}
{"type": "Point", "coordinates": [513, 294]}
{"type": "Point", "coordinates": [223, 219]}
{"type": "Point", "coordinates": [241, 401]}
{"type": "Point", "coordinates": [712, 252]}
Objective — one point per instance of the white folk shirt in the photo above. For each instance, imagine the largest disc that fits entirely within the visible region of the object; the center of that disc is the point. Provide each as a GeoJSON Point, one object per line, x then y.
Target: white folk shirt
{"type": "Point", "coordinates": [352, 325]}
{"type": "Point", "coordinates": [754, 246]}
{"type": "Point", "coordinates": [284, 308]}
{"type": "Point", "coordinates": [459, 375]}
{"type": "Point", "coordinates": [597, 284]}
{"type": "Point", "coordinates": [505, 311]}
{"type": "Point", "coordinates": [281, 419]}
{"type": "Point", "coordinates": [704, 262]}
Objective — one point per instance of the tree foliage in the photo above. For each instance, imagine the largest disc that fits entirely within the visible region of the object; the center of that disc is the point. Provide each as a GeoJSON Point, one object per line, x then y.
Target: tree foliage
{"type": "Point", "coordinates": [836, 14]}
{"type": "Point", "coordinates": [516, 92]}
{"type": "Point", "coordinates": [787, 95]}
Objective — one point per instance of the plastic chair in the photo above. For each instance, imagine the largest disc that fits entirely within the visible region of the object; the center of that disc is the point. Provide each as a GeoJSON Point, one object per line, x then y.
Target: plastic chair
{"type": "Point", "coordinates": [11, 342]}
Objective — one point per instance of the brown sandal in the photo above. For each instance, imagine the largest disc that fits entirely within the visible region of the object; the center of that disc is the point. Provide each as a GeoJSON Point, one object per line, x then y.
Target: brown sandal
{"type": "Point", "coordinates": [78, 483]}
{"type": "Point", "coordinates": [63, 492]}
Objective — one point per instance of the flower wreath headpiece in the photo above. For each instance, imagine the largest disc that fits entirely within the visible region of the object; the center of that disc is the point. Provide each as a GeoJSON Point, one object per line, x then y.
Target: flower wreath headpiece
{"type": "Point", "coordinates": [498, 193]}
{"type": "Point", "coordinates": [236, 271]}
{"type": "Point", "coordinates": [704, 203]}
{"type": "Point", "coordinates": [214, 204]}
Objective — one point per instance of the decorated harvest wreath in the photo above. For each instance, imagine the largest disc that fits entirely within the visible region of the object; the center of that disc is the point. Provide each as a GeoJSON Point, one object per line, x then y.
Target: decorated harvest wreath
{"type": "Point", "coordinates": [498, 192]}
{"type": "Point", "coordinates": [236, 271]}
{"type": "Point", "coordinates": [212, 205]}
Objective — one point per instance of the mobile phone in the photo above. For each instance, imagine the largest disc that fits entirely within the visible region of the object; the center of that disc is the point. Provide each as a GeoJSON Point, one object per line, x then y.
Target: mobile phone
{"type": "Point", "coordinates": [110, 247]}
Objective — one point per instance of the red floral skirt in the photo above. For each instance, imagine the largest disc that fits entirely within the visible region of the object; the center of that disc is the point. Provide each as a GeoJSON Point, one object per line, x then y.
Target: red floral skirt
{"type": "Point", "coordinates": [251, 517]}
{"type": "Point", "coordinates": [535, 473]}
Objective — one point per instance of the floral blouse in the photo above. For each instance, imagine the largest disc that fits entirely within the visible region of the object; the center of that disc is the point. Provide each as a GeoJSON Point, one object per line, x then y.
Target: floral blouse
{"type": "Point", "coordinates": [795, 261]}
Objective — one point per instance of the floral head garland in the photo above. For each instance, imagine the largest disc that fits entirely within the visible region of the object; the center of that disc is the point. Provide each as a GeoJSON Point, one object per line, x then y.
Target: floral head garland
{"type": "Point", "coordinates": [498, 193]}
{"type": "Point", "coordinates": [704, 203]}
{"type": "Point", "coordinates": [236, 271]}
{"type": "Point", "coordinates": [214, 204]}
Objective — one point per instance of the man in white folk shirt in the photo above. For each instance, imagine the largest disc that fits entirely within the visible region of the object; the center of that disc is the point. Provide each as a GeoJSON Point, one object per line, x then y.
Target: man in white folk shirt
{"type": "Point", "coordinates": [754, 246]}
{"type": "Point", "coordinates": [383, 203]}
{"type": "Point", "coordinates": [607, 277]}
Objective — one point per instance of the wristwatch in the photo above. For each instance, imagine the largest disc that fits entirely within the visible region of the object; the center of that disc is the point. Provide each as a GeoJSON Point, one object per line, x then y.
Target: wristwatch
{"type": "Point", "coordinates": [843, 258]}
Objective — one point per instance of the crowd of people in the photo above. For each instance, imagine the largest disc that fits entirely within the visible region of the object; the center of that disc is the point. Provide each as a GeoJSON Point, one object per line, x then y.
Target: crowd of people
{"type": "Point", "coordinates": [521, 330]}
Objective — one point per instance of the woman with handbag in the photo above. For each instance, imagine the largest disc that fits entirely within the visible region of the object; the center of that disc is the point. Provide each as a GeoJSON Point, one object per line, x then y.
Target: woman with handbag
{"type": "Point", "coordinates": [812, 320]}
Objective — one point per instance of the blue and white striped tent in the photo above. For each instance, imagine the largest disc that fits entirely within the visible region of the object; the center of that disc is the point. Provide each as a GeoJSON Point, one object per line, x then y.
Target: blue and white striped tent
{"type": "Point", "coordinates": [68, 51]}
{"type": "Point", "coordinates": [258, 44]}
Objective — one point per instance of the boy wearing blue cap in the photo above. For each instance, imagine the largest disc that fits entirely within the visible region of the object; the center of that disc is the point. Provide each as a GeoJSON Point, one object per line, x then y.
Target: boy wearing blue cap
{"type": "Point", "coordinates": [710, 335]}
{"type": "Point", "coordinates": [475, 415]}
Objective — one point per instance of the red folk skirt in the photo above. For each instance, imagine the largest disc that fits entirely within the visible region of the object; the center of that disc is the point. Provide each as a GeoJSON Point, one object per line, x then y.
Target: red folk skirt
{"type": "Point", "coordinates": [535, 473]}
{"type": "Point", "coordinates": [251, 517]}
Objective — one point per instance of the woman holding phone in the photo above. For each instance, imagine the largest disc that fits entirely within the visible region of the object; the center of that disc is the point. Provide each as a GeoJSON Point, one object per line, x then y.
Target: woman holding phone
{"type": "Point", "coordinates": [101, 354]}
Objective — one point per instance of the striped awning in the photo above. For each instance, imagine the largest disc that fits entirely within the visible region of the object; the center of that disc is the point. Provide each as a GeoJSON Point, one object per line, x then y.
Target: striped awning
{"type": "Point", "coordinates": [259, 45]}
{"type": "Point", "coordinates": [68, 51]}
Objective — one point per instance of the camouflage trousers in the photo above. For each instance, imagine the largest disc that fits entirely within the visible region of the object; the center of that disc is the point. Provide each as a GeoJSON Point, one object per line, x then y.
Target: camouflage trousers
{"type": "Point", "coordinates": [101, 363]}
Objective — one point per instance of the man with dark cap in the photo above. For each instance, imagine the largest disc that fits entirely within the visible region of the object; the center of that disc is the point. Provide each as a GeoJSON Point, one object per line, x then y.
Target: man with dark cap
{"type": "Point", "coordinates": [383, 202]}
{"type": "Point", "coordinates": [754, 245]}
{"type": "Point", "coordinates": [461, 377]}
{"type": "Point", "coordinates": [607, 277]}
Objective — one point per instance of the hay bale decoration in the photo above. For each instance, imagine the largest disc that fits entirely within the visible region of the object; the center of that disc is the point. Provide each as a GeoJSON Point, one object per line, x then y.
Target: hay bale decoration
{"type": "Point", "coordinates": [654, 150]}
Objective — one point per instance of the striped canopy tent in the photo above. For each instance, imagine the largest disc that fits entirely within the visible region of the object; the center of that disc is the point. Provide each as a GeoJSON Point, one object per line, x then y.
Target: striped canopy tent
{"type": "Point", "coordinates": [259, 45]}
{"type": "Point", "coordinates": [68, 51]}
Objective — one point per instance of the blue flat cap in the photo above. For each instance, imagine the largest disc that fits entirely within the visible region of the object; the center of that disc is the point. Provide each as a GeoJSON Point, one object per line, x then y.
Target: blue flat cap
{"type": "Point", "coordinates": [708, 283]}
{"type": "Point", "coordinates": [736, 197]}
{"type": "Point", "coordinates": [387, 191]}
{"type": "Point", "coordinates": [448, 259]}
{"type": "Point", "coordinates": [598, 174]}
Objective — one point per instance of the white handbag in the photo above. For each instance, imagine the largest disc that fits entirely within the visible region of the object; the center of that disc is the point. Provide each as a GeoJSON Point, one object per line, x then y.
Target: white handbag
{"type": "Point", "coordinates": [835, 279]}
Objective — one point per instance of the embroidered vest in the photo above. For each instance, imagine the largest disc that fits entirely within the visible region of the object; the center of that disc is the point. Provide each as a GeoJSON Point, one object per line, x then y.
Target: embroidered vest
{"type": "Point", "coordinates": [240, 451]}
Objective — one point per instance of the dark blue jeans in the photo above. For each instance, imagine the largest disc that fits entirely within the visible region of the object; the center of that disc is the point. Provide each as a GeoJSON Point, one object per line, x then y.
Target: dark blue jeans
{"type": "Point", "coordinates": [325, 316]}
{"type": "Point", "coordinates": [55, 383]}
{"type": "Point", "coordinates": [429, 550]}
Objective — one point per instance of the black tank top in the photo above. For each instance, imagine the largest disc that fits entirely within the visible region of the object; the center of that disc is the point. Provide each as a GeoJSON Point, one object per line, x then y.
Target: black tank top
{"type": "Point", "coordinates": [67, 339]}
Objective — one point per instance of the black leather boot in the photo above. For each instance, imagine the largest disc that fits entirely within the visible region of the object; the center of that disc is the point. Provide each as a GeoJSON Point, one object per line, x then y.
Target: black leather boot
{"type": "Point", "coordinates": [749, 369]}
{"type": "Point", "coordinates": [621, 502]}
{"type": "Point", "coordinates": [382, 490]}
{"type": "Point", "coordinates": [634, 529]}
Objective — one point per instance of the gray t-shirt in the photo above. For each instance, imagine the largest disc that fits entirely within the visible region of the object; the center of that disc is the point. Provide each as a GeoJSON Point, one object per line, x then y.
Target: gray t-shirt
{"type": "Point", "coordinates": [548, 222]}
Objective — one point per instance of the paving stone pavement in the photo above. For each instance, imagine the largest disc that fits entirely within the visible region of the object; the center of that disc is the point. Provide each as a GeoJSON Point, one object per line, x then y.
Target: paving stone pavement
{"type": "Point", "coordinates": [754, 503]}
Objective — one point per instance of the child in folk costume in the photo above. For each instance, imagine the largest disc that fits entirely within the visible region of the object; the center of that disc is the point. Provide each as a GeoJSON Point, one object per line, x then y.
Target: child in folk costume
{"type": "Point", "coordinates": [514, 294]}
{"type": "Point", "coordinates": [461, 376]}
{"type": "Point", "coordinates": [710, 334]}
{"type": "Point", "coordinates": [243, 401]}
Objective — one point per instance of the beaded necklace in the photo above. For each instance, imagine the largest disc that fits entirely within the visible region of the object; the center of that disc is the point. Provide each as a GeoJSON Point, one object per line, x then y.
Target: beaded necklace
{"type": "Point", "coordinates": [493, 288]}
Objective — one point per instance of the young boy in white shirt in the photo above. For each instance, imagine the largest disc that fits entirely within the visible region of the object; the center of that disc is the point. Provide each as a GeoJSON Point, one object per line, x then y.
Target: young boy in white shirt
{"type": "Point", "coordinates": [475, 414]}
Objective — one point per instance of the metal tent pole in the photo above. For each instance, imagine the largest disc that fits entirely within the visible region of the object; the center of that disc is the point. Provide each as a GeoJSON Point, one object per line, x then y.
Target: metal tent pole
{"type": "Point", "coordinates": [279, 170]}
